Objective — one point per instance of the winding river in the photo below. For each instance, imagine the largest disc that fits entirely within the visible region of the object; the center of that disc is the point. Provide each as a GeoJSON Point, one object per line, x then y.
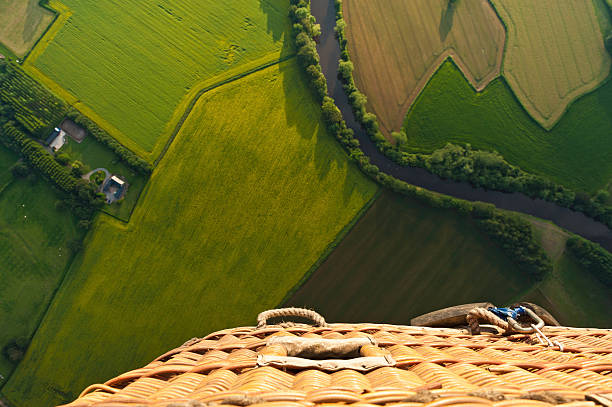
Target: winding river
{"type": "Point", "coordinates": [329, 52]}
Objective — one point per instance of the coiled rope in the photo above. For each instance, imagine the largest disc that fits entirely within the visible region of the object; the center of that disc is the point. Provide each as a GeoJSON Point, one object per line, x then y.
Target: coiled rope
{"type": "Point", "coordinates": [315, 317]}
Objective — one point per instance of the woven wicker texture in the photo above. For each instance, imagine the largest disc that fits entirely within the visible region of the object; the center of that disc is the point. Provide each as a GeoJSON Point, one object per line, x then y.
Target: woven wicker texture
{"type": "Point", "coordinates": [430, 366]}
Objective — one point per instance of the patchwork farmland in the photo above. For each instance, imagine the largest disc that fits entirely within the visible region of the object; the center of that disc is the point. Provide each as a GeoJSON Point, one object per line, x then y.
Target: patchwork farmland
{"type": "Point", "coordinates": [24, 24]}
{"type": "Point", "coordinates": [555, 53]}
{"type": "Point", "coordinates": [247, 198]}
{"type": "Point", "coordinates": [129, 64]}
{"type": "Point", "coordinates": [396, 46]}
{"type": "Point", "coordinates": [575, 153]}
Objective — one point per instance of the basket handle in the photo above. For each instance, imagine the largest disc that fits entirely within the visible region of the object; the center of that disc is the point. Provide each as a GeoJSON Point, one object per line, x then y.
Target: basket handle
{"type": "Point", "coordinates": [315, 317]}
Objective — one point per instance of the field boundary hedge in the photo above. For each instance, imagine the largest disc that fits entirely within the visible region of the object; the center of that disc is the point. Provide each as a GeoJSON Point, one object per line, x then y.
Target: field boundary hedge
{"type": "Point", "coordinates": [514, 234]}
{"type": "Point", "coordinates": [463, 162]}
{"type": "Point", "coordinates": [592, 257]}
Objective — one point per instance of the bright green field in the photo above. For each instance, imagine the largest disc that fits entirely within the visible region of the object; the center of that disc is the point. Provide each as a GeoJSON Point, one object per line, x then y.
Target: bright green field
{"type": "Point", "coordinates": [95, 155]}
{"type": "Point", "coordinates": [576, 152]}
{"type": "Point", "coordinates": [34, 254]}
{"type": "Point", "coordinates": [404, 259]}
{"type": "Point", "coordinates": [129, 63]}
{"type": "Point", "coordinates": [244, 202]}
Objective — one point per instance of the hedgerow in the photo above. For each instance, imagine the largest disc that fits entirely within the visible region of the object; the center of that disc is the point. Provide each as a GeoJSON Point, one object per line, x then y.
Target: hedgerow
{"type": "Point", "coordinates": [513, 234]}
{"type": "Point", "coordinates": [462, 163]}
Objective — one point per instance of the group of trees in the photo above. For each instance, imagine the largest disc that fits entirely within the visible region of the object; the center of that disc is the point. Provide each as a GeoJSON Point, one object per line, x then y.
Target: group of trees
{"type": "Point", "coordinates": [462, 163]}
{"type": "Point", "coordinates": [512, 233]}
{"type": "Point", "coordinates": [28, 103]}
{"type": "Point", "coordinates": [592, 257]}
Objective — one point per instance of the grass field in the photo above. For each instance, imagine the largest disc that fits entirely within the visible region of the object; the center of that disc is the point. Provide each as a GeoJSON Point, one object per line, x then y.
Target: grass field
{"type": "Point", "coordinates": [34, 254]}
{"type": "Point", "coordinates": [129, 64]}
{"type": "Point", "coordinates": [573, 294]}
{"type": "Point", "coordinates": [95, 155]}
{"type": "Point", "coordinates": [23, 22]}
{"type": "Point", "coordinates": [397, 46]}
{"type": "Point", "coordinates": [246, 199]}
{"type": "Point", "coordinates": [575, 153]}
{"type": "Point", "coordinates": [403, 259]}
{"type": "Point", "coordinates": [555, 54]}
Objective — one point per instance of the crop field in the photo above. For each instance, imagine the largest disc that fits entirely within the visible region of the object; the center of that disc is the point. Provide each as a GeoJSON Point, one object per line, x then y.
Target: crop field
{"type": "Point", "coordinates": [250, 194]}
{"type": "Point", "coordinates": [396, 47]}
{"type": "Point", "coordinates": [23, 22]}
{"type": "Point", "coordinates": [96, 155]}
{"type": "Point", "coordinates": [575, 153]}
{"type": "Point", "coordinates": [403, 259]}
{"type": "Point", "coordinates": [555, 54]}
{"type": "Point", "coordinates": [128, 65]}
{"type": "Point", "coordinates": [34, 254]}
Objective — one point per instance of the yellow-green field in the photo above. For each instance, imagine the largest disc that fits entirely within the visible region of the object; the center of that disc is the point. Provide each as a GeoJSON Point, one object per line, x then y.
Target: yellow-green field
{"type": "Point", "coordinates": [555, 54]}
{"type": "Point", "coordinates": [244, 202]}
{"type": "Point", "coordinates": [396, 46]}
{"type": "Point", "coordinates": [22, 24]}
{"type": "Point", "coordinates": [130, 64]}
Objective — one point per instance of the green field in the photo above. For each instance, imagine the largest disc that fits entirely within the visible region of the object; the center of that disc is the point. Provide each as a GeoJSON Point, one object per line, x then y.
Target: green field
{"type": "Point", "coordinates": [555, 53]}
{"type": "Point", "coordinates": [34, 254]}
{"type": "Point", "coordinates": [575, 153]}
{"type": "Point", "coordinates": [23, 22]}
{"type": "Point", "coordinates": [244, 202]}
{"type": "Point", "coordinates": [403, 259]}
{"type": "Point", "coordinates": [95, 155]}
{"type": "Point", "coordinates": [128, 65]}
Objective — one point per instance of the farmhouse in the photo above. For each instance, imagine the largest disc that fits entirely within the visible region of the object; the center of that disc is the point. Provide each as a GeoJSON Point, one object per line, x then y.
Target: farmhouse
{"type": "Point", "coordinates": [114, 189]}
{"type": "Point", "coordinates": [56, 139]}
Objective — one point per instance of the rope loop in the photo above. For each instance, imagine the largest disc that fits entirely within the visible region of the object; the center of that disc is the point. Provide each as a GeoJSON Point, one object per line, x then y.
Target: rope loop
{"type": "Point", "coordinates": [315, 317]}
{"type": "Point", "coordinates": [491, 315]}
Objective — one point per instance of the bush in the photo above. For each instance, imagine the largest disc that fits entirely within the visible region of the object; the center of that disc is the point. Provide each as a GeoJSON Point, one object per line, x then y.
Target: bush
{"type": "Point", "coordinates": [20, 170]}
{"type": "Point", "coordinates": [592, 257]}
{"type": "Point", "coordinates": [62, 158]}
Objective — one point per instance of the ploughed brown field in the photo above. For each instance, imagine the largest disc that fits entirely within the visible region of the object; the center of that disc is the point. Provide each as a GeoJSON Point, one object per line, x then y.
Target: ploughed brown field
{"type": "Point", "coordinates": [396, 45]}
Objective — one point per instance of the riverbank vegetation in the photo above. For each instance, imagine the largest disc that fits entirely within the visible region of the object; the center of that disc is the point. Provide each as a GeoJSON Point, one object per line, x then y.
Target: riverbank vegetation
{"type": "Point", "coordinates": [105, 58]}
{"type": "Point", "coordinates": [250, 194]}
{"type": "Point", "coordinates": [396, 47]}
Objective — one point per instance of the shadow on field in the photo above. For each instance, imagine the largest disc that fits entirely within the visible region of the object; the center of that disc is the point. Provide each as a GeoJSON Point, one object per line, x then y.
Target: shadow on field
{"type": "Point", "coordinates": [446, 20]}
{"type": "Point", "coordinates": [277, 23]}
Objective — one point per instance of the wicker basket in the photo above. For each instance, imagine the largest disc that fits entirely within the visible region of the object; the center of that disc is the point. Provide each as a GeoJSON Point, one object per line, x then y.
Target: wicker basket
{"type": "Point", "coordinates": [370, 364]}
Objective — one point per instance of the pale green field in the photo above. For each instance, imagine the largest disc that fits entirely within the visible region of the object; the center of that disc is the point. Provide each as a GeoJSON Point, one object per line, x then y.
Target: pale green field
{"type": "Point", "coordinates": [22, 24]}
{"type": "Point", "coordinates": [129, 64]}
{"type": "Point", "coordinates": [555, 53]}
{"type": "Point", "coordinates": [245, 201]}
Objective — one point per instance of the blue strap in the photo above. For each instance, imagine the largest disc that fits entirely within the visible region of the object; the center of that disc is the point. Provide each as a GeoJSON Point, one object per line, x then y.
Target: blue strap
{"type": "Point", "coordinates": [505, 313]}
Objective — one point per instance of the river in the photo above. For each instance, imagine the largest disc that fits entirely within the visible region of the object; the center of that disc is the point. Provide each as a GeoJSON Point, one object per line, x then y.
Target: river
{"type": "Point", "coordinates": [329, 52]}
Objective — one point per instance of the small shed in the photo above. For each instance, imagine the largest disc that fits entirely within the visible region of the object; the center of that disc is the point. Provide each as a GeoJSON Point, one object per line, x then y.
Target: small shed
{"type": "Point", "coordinates": [114, 189]}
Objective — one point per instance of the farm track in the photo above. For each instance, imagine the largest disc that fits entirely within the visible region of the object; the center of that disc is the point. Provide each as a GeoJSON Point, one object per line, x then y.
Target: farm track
{"type": "Point", "coordinates": [206, 89]}
{"type": "Point", "coordinates": [329, 52]}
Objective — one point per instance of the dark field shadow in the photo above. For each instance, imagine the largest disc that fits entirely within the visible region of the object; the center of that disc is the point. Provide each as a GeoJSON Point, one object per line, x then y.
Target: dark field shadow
{"type": "Point", "coordinates": [446, 20]}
